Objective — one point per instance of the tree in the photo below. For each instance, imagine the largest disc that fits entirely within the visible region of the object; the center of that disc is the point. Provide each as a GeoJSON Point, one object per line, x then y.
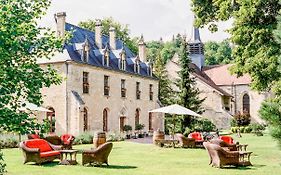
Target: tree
{"type": "Point", "coordinates": [122, 31]}
{"type": "Point", "coordinates": [255, 50]}
{"type": "Point", "coordinates": [188, 93]}
{"type": "Point", "coordinates": [165, 94]}
{"type": "Point", "coordinates": [153, 50]}
{"type": "Point", "coordinates": [217, 52]}
{"type": "Point", "coordinates": [22, 42]}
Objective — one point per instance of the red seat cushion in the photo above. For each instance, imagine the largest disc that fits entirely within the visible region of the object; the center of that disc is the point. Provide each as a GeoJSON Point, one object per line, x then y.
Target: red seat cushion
{"type": "Point", "coordinates": [49, 153]}
{"type": "Point", "coordinates": [195, 135]}
{"type": "Point", "coordinates": [66, 138]}
{"type": "Point", "coordinates": [38, 143]}
{"type": "Point", "coordinates": [227, 139]}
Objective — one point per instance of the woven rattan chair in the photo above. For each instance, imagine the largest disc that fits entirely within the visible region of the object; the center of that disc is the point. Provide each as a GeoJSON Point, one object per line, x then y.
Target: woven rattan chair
{"type": "Point", "coordinates": [97, 156]}
{"type": "Point", "coordinates": [185, 142]}
{"type": "Point", "coordinates": [67, 141]}
{"type": "Point", "coordinates": [39, 151]}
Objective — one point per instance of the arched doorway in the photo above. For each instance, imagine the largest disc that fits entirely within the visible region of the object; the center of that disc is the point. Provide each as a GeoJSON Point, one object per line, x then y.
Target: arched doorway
{"type": "Point", "coordinates": [246, 103]}
{"type": "Point", "coordinates": [137, 117]}
{"type": "Point", "coordinates": [105, 120]}
{"type": "Point", "coordinates": [51, 117]}
{"type": "Point", "coordinates": [122, 123]}
{"type": "Point", "coordinates": [85, 119]}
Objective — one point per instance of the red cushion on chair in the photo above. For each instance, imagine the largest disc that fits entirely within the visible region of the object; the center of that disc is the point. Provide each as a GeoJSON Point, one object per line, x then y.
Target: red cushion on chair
{"type": "Point", "coordinates": [227, 139]}
{"type": "Point", "coordinates": [49, 153]}
{"type": "Point", "coordinates": [38, 143]}
{"type": "Point", "coordinates": [66, 138]}
{"type": "Point", "coordinates": [196, 135]}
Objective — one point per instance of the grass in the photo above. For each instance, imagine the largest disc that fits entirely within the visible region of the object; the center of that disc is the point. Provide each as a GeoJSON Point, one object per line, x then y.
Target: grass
{"type": "Point", "coordinates": [129, 158]}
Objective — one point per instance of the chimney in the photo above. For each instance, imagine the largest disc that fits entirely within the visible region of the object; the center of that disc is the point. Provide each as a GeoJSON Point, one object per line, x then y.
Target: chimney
{"type": "Point", "coordinates": [98, 35]}
{"type": "Point", "coordinates": [60, 20]}
{"type": "Point", "coordinates": [112, 38]}
{"type": "Point", "coordinates": [142, 49]}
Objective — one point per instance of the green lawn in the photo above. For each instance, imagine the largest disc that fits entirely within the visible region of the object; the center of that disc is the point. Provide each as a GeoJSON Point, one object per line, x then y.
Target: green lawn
{"type": "Point", "coordinates": [129, 158]}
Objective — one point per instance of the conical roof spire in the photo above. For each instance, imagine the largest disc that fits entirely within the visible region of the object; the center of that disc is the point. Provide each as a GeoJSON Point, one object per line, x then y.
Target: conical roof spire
{"type": "Point", "coordinates": [195, 37]}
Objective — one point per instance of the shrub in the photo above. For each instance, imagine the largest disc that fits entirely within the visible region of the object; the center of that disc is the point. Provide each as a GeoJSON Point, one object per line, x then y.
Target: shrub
{"type": "Point", "coordinates": [242, 119]}
{"type": "Point", "coordinates": [242, 129]}
{"type": "Point", "coordinates": [2, 164]}
{"type": "Point", "coordinates": [139, 127]}
{"type": "Point", "coordinates": [248, 129]}
{"type": "Point", "coordinates": [234, 129]}
{"type": "Point", "coordinates": [84, 138]}
{"type": "Point", "coordinates": [115, 136]}
{"type": "Point", "coordinates": [202, 125]}
{"type": "Point", "coordinates": [127, 128]}
{"type": "Point", "coordinates": [186, 131]}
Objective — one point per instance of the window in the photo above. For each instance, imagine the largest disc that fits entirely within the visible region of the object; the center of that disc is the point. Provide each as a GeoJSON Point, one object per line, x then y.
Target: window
{"type": "Point", "coordinates": [106, 85]}
{"type": "Point", "coordinates": [246, 103]}
{"type": "Point", "coordinates": [105, 119]}
{"type": "Point", "coordinates": [137, 66]}
{"type": "Point", "coordinates": [150, 122]}
{"type": "Point", "coordinates": [106, 58]}
{"type": "Point", "coordinates": [51, 117]}
{"type": "Point", "coordinates": [137, 117]}
{"type": "Point", "coordinates": [123, 64]}
{"type": "Point", "coordinates": [150, 92]}
{"type": "Point", "coordinates": [138, 92]}
{"type": "Point", "coordinates": [85, 118]}
{"type": "Point", "coordinates": [85, 82]}
{"type": "Point", "coordinates": [123, 88]}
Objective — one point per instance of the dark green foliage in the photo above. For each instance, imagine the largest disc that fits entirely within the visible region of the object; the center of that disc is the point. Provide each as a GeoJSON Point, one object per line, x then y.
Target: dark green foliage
{"type": "Point", "coordinates": [203, 125]}
{"type": "Point", "coordinates": [241, 119]}
{"type": "Point", "coordinates": [122, 31]}
{"type": "Point", "coordinates": [22, 42]}
{"type": "Point", "coordinates": [127, 128]}
{"type": "Point", "coordinates": [139, 127]}
{"type": "Point", "coordinates": [217, 52]}
{"type": "Point", "coordinates": [2, 164]}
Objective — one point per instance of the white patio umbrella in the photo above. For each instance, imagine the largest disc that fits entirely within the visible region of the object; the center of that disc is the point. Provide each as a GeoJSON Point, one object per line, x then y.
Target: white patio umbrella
{"type": "Point", "coordinates": [33, 107]}
{"type": "Point", "coordinates": [175, 109]}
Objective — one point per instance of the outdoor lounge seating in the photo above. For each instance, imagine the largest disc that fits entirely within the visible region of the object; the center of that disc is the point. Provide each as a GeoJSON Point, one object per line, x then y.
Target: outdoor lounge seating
{"type": "Point", "coordinates": [39, 151]}
{"type": "Point", "coordinates": [220, 157]}
{"type": "Point", "coordinates": [198, 138]}
{"type": "Point", "coordinates": [227, 139]}
{"type": "Point", "coordinates": [97, 156]}
{"type": "Point", "coordinates": [33, 136]}
{"type": "Point", "coordinates": [67, 140]}
{"type": "Point", "coordinates": [185, 142]}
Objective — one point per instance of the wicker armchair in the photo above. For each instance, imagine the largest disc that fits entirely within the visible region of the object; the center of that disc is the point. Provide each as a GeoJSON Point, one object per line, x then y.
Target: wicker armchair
{"type": "Point", "coordinates": [231, 147]}
{"type": "Point", "coordinates": [67, 141]}
{"type": "Point", "coordinates": [220, 157]}
{"type": "Point", "coordinates": [33, 136]}
{"type": "Point", "coordinates": [53, 139]}
{"type": "Point", "coordinates": [185, 142]}
{"type": "Point", "coordinates": [97, 156]}
{"type": "Point", "coordinates": [39, 151]}
{"type": "Point", "coordinates": [198, 139]}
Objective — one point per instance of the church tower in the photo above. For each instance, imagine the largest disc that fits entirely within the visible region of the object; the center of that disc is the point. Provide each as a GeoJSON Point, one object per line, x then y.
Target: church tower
{"type": "Point", "coordinates": [196, 49]}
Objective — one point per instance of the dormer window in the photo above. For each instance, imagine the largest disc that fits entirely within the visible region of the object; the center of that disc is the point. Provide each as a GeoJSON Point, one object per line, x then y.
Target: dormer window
{"type": "Point", "coordinates": [149, 69]}
{"type": "Point", "coordinates": [137, 66]}
{"type": "Point", "coordinates": [123, 64]}
{"type": "Point", "coordinates": [122, 61]}
{"type": "Point", "coordinates": [105, 60]}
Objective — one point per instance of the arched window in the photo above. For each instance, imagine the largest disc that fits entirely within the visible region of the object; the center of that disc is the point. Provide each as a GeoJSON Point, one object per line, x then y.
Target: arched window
{"type": "Point", "coordinates": [51, 117]}
{"type": "Point", "coordinates": [105, 119]}
{"type": "Point", "coordinates": [85, 118]}
{"type": "Point", "coordinates": [150, 121]}
{"type": "Point", "coordinates": [246, 103]}
{"type": "Point", "coordinates": [137, 117]}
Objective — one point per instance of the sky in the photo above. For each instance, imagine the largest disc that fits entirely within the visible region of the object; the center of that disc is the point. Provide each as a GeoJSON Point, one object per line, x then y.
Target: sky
{"type": "Point", "coordinates": [152, 18]}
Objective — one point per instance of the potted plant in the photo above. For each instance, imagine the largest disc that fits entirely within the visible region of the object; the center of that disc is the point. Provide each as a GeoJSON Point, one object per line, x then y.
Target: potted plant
{"type": "Point", "coordinates": [127, 129]}
{"type": "Point", "coordinates": [139, 127]}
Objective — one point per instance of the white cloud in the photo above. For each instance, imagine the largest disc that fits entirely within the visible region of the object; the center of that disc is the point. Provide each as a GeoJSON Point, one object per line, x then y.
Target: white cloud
{"type": "Point", "coordinates": [152, 18]}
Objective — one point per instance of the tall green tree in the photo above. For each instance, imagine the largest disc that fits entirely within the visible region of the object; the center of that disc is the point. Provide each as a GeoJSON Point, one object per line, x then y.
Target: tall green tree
{"type": "Point", "coordinates": [122, 31]}
{"type": "Point", "coordinates": [153, 50]}
{"type": "Point", "coordinates": [22, 42]}
{"type": "Point", "coordinates": [255, 52]}
{"type": "Point", "coordinates": [217, 52]}
{"type": "Point", "coordinates": [165, 94]}
{"type": "Point", "coordinates": [188, 93]}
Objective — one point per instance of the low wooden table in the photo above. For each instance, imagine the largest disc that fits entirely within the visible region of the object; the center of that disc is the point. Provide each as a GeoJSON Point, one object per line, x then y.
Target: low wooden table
{"type": "Point", "coordinates": [244, 158]}
{"type": "Point", "coordinates": [68, 157]}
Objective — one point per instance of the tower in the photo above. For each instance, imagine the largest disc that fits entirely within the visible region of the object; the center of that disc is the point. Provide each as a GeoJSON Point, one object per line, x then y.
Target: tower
{"type": "Point", "coordinates": [196, 49]}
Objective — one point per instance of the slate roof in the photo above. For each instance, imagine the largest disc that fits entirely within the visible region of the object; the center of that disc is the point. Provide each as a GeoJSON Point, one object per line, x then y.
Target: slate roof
{"type": "Point", "coordinates": [96, 54]}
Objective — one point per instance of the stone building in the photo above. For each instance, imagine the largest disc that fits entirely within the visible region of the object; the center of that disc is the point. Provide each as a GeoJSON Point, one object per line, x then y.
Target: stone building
{"type": "Point", "coordinates": [105, 86]}
{"type": "Point", "coordinates": [225, 94]}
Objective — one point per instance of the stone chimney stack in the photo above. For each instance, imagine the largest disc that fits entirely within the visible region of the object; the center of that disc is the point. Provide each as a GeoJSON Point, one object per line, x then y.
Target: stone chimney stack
{"type": "Point", "coordinates": [142, 49]}
{"type": "Point", "coordinates": [60, 20]}
{"type": "Point", "coordinates": [112, 38]}
{"type": "Point", "coordinates": [98, 35]}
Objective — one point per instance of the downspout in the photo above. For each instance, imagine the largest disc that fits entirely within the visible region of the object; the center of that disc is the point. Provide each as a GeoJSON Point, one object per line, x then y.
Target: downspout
{"type": "Point", "coordinates": [66, 98]}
